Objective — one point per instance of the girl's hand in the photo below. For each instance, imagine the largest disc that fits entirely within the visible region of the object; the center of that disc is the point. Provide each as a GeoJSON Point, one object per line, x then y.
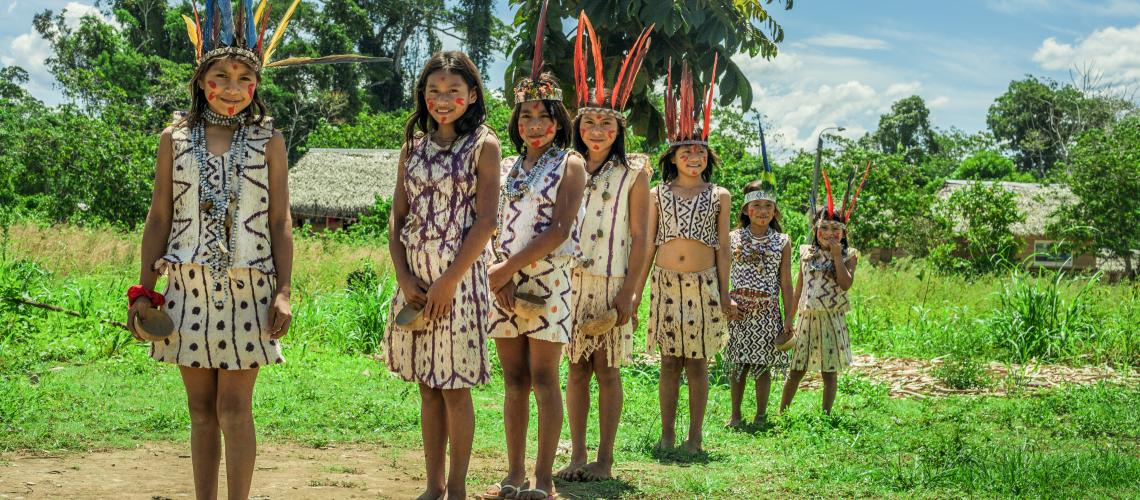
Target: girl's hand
{"type": "Point", "coordinates": [280, 315]}
{"type": "Point", "coordinates": [730, 309]}
{"type": "Point", "coordinates": [499, 275]}
{"type": "Point", "coordinates": [788, 329]}
{"type": "Point", "coordinates": [133, 312]}
{"type": "Point", "coordinates": [626, 304]}
{"type": "Point", "coordinates": [505, 296]}
{"type": "Point", "coordinates": [440, 297]}
{"type": "Point", "coordinates": [415, 290]}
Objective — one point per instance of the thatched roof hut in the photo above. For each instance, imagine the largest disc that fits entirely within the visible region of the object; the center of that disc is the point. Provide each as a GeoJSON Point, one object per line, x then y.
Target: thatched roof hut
{"type": "Point", "coordinates": [1036, 202]}
{"type": "Point", "coordinates": [341, 183]}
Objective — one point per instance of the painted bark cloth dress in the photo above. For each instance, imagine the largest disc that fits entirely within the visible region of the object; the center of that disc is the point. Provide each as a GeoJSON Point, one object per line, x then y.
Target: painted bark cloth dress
{"type": "Point", "coordinates": [520, 221]}
{"type": "Point", "coordinates": [440, 184]}
{"type": "Point", "coordinates": [605, 242]}
{"type": "Point", "coordinates": [822, 343]}
{"type": "Point", "coordinates": [755, 280]}
{"type": "Point", "coordinates": [685, 319]}
{"type": "Point", "coordinates": [220, 315]}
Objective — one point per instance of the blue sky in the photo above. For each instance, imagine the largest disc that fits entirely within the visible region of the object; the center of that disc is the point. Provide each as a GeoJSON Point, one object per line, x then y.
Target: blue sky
{"type": "Point", "coordinates": [845, 62]}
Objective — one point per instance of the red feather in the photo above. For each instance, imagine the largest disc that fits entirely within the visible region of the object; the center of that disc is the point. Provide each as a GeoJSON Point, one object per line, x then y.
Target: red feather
{"type": "Point", "coordinates": [637, 56]}
{"type": "Point", "coordinates": [264, 23]}
{"type": "Point", "coordinates": [536, 59]}
{"type": "Point", "coordinates": [866, 171]}
{"type": "Point", "coordinates": [709, 101]}
{"type": "Point", "coordinates": [579, 64]}
{"type": "Point", "coordinates": [198, 26]}
{"type": "Point", "coordinates": [670, 104]}
{"type": "Point", "coordinates": [830, 200]}
{"type": "Point", "coordinates": [596, 55]}
{"type": "Point", "coordinates": [686, 102]}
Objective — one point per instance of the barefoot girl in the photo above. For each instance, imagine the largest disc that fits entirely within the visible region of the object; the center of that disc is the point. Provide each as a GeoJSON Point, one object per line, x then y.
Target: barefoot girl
{"type": "Point", "coordinates": [761, 275]}
{"type": "Point", "coordinates": [615, 256]}
{"type": "Point", "coordinates": [827, 270]}
{"type": "Point", "coordinates": [219, 228]}
{"type": "Point", "coordinates": [443, 214]}
{"type": "Point", "coordinates": [535, 250]}
{"type": "Point", "coordinates": [689, 286]}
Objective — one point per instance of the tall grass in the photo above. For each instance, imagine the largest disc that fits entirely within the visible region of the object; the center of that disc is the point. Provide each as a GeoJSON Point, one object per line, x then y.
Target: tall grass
{"type": "Point", "coordinates": [1037, 317]}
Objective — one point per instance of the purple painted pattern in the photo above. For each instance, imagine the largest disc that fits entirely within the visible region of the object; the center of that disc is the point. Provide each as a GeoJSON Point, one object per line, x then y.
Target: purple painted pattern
{"type": "Point", "coordinates": [521, 220]}
{"type": "Point", "coordinates": [440, 184]}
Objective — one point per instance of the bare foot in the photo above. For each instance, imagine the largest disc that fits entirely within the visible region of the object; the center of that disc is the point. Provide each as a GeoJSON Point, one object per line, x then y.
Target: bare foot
{"type": "Point", "coordinates": [667, 442]}
{"type": "Point", "coordinates": [431, 494]}
{"type": "Point", "coordinates": [691, 446]}
{"type": "Point", "coordinates": [570, 472]}
{"type": "Point", "coordinates": [596, 471]}
{"type": "Point", "coordinates": [760, 420]}
{"type": "Point", "coordinates": [734, 423]}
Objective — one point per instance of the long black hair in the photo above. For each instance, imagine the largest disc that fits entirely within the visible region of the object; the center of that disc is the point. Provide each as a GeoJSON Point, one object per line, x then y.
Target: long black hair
{"type": "Point", "coordinates": [669, 168]}
{"type": "Point", "coordinates": [745, 221]}
{"type": "Point", "coordinates": [456, 63]}
{"type": "Point", "coordinates": [562, 136]}
{"type": "Point", "coordinates": [617, 150]}
{"type": "Point", "coordinates": [199, 103]}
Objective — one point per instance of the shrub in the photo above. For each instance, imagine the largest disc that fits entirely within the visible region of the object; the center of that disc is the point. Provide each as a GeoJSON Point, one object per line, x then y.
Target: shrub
{"type": "Point", "coordinates": [984, 242]}
{"type": "Point", "coordinates": [1035, 320]}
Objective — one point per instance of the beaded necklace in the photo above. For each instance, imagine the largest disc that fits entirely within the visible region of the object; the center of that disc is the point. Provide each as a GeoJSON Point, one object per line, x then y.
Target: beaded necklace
{"type": "Point", "coordinates": [515, 187]}
{"type": "Point", "coordinates": [215, 207]}
{"type": "Point", "coordinates": [602, 176]}
{"type": "Point", "coordinates": [215, 118]}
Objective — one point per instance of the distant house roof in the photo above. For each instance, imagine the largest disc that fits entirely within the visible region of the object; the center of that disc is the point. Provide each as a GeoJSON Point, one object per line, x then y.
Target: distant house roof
{"type": "Point", "coordinates": [1036, 202]}
{"type": "Point", "coordinates": [341, 183]}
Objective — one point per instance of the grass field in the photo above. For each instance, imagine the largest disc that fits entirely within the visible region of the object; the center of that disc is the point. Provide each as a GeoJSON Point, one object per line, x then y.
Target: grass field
{"type": "Point", "coordinates": [77, 384]}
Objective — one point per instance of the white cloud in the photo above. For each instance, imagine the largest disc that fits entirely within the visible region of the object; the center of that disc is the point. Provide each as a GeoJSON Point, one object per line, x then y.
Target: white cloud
{"type": "Point", "coordinates": [846, 41]}
{"type": "Point", "coordinates": [938, 102]}
{"type": "Point", "coordinates": [1115, 52]}
{"type": "Point", "coordinates": [30, 51]}
{"type": "Point", "coordinates": [12, 6]}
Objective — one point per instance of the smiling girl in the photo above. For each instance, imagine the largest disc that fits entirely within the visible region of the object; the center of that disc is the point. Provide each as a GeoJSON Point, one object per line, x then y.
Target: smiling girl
{"type": "Point", "coordinates": [443, 215]}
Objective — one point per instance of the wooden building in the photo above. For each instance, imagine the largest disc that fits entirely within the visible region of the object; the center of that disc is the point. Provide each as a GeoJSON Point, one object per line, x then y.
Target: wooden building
{"type": "Point", "coordinates": [330, 188]}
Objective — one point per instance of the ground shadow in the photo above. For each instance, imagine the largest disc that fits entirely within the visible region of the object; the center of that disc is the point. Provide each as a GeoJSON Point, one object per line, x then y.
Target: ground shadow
{"type": "Point", "coordinates": [613, 488]}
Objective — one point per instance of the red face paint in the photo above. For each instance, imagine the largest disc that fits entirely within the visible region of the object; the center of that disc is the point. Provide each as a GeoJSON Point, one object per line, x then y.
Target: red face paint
{"type": "Point", "coordinates": [443, 119]}
{"type": "Point", "coordinates": [460, 101]}
{"type": "Point", "coordinates": [231, 110]}
{"type": "Point", "coordinates": [431, 103]}
{"type": "Point", "coordinates": [251, 86]}
{"type": "Point", "coordinates": [211, 84]}
{"type": "Point", "coordinates": [597, 147]}
{"type": "Point", "coordinates": [549, 130]}
{"type": "Point", "coordinates": [610, 134]}
{"type": "Point", "coordinates": [234, 66]}
{"type": "Point", "coordinates": [536, 143]}
{"type": "Point", "coordinates": [211, 96]}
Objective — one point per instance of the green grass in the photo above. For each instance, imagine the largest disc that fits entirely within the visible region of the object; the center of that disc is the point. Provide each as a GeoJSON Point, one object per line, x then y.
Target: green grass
{"type": "Point", "coordinates": [69, 383]}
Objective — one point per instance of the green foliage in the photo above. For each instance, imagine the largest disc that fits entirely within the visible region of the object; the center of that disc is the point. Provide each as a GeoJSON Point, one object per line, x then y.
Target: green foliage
{"type": "Point", "coordinates": [983, 242]}
{"type": "Point", "coordinates": [960, 372]}
{"type": "Point", "coordinates": [1104, 175]}
{"type": "Point", "coordinates": [373, 224]}
{"type": "Point", "coordinates": [1037, 320]}
{"type": "Point", "coordinates": [906, 129]}
{"type": "Point", "coordinates": [990, 166]}
{"type": "Point", "coordinates": [696, 28]}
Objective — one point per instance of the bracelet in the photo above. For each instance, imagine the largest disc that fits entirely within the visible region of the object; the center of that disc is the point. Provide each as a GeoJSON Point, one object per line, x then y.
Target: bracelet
{"type": "Point", "coordinates": [136, 291]}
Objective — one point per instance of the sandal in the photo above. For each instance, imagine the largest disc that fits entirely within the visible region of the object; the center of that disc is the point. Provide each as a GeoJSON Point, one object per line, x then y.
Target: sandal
{"type": "Point", "coordinates": [501, 491]}
{"type": "Point", "coordinates": [545, 495]}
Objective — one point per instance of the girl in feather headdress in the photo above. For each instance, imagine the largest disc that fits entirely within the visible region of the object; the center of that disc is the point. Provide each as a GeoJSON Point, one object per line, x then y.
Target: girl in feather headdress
{"type": "Point", "coordinates": [688, 222]}
{"type": "Point", "coordinates": [219, 228]}
{"type": "Point", "coordinates": [827, 271]}
{"type": "Point", "coordinates": [761, 275]}
{"type": "Point", "coordinates": [616, 252]}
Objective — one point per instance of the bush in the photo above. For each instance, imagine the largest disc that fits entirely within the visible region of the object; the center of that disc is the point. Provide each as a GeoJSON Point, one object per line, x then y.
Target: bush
{"type": "Point", "coordinates": [983, 241]}
{"type": "Point", "coordinates": [961, 372]}
{"type": "Point", "coordinates": [1035, 320]}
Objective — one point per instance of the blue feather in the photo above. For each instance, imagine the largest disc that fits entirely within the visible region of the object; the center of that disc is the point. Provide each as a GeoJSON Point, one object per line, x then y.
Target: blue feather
{"type": "Point", "coordinates": [250, 30]}
{"type": "Point", "coordinates": [227, 34]}
{"type": "Point", "coordinates": [763, 147]}
{"type": "Point", "coordinates": [208, 27]}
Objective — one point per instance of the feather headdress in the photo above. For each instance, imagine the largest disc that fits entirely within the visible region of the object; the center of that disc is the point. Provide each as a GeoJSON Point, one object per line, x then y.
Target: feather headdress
{"type": "Point", "coordinates": [218, 33]}
{"type": "Point", "coordinates": [767, 190]}
{"type": "Point", "coordinates": [623, 85]}
{"type": "Point", "coordinates": [843, 216]}
{"type": "Point", "coordinates": [680, 124]}
{"type": "Point", "coordinates": [535, 88]}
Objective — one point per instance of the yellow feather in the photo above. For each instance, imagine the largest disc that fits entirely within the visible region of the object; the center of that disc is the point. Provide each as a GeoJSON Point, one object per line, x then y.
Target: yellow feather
{"type": "Point", "coordinates": [279, 32]}
{"type": "Point", "coordinates": [258, 13]}
{"type": "Point", "coordinates": [191, 30]}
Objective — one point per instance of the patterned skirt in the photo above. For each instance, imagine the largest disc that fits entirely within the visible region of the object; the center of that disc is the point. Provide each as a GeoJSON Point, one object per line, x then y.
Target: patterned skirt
{"type": "Point", "coordinates": [548, 279]}
{"type": "Point", "coordinates": [751, 340]}
{"type": "Point", "coordinates": [591, 296]}
{"type": "Point", "coordinates": [233, 337]}
{"type": "Point", "coordinates": [449, 353]}
{"type": "Point", "coordinates": [685, 319]}
{"type": "Point", "coordinates": [822, 343]}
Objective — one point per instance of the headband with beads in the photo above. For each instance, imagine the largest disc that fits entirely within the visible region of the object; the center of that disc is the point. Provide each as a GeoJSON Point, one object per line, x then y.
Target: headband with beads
{"type": "Point", "coordinates": [535, 88]}
{"type": "Point", "coordinates": [681, 124]}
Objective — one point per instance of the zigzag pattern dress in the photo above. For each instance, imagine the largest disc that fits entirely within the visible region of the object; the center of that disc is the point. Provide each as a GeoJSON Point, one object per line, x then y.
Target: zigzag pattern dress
{"type": "Point", "coordinates": [449, 353]}
{"type": "Point", "coordinates": [520, 221]}
{"type": "Point", "coordinates": [755, 280]}
{"type": "Point", "coordinates": [822, 343]}
{"type": "Point", "coordinates": [234, 336]}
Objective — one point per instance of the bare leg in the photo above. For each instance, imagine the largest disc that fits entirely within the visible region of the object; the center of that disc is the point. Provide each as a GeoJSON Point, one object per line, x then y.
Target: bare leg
{"type": "Point", "coordinates": [610, 398]}
{"type": "Point", "coordinates": [516, 405]}
{"type": "Point", "coordinates": [235, 416]}
{"type": "Point", "coordinates": [433, 428]}
{"type": "Point", "coordinates": [830, 385]}
{"type": "Point", "coordinates": [763, 389]}
{"type": "Point", "coordinates": [668, 390]}
{"type": "Point", "coordinates": [460, 432]}
{"type": "Point", "coordinates": [791, 385]}
{"type": "Point", "coordinates": [577, 412]}
{"type": "Point", "coordinates": [543, 359]}
{"type": "Point", "coordinates": [736, 385]}
{"type": "Point", "coordinates": [697, 371]}
{"type": "Point", "coordinates": [205, 434]}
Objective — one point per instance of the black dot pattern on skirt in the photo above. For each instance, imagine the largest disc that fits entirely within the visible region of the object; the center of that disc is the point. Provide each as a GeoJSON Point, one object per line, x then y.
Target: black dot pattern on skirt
{"type": "Point", "coordinates": [166, 341]}
{"type": "Point", "coordinates": [223, 365]}
{"type": "Point", "coordinates": [249, 347]}
{"type": "Point", "coordinates": [244, 305]}
{"type": "Point", "coordinates": [195, 364]}
{"type": "Point", "coordinates": [170, 305]}
{"type": "Point", "coordinates": [253, 364]}
{"type": "Point", "coordinates": [194, 347]}
{"type": "Point", "coordinates": [248, 326]}
{"type": "Point", "coordinates": [191, 274]}
{"type": "Point", "coordinates": [222, 345]}
{"type": "Point", "coordinates": [195, 327]}
{"type": "Point", "coordinates": [194, 292]}
{"type": "Point", "coordinates": [221, 325]}
{"type": "Point", "coordinates": [197, 310]}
